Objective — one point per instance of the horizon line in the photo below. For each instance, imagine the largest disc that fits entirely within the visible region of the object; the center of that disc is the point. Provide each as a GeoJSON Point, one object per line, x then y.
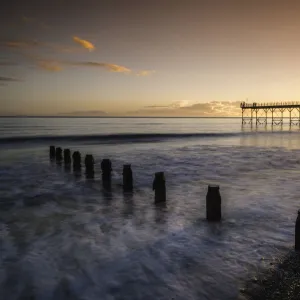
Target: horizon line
{"type": "Point", "coordinates": [115, 117]}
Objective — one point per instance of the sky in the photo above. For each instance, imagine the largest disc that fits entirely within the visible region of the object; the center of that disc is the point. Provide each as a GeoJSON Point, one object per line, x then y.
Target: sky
{"type": "Point", "coordinates": [147, 58]}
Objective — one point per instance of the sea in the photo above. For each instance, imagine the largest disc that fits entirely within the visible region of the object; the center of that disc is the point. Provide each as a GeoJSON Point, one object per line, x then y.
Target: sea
{"type": "Point", "coordinates": [67, 237]}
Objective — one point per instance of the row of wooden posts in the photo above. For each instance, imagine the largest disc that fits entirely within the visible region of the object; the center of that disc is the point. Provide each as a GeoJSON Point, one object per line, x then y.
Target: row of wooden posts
{"type": "Point", "coordinates": [213, 197]}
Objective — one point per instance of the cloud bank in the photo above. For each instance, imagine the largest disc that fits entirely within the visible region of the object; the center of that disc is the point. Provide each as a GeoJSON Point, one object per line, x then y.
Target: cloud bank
{"type": "Point", "coordinates": [183, 108]}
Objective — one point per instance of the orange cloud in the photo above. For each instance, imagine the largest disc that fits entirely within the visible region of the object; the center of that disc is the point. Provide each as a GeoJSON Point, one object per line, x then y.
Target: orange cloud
{"type": "Point", "coordinates": [84, 43]}
{"type": "Point", "coordinates": [107, 66]}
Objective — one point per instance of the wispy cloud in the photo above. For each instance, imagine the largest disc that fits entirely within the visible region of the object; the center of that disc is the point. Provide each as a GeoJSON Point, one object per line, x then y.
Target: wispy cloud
{"type": "Point", "coordinates": [7, 64]}
{"type": "Point", "coordinates": [8, 79]}
{"type": "Point", "coordinates": [145, 73]}
{"type": "Point", "coordinates": [27, 19]}
{"type": "Point", "coordinates": [31, 44]}
{"type": "Point", "coordinates": [84, 43]}
{"type": "Point", "coordinates": [21, 44]}
{"type": "Point", "coordinates": [52, 66]}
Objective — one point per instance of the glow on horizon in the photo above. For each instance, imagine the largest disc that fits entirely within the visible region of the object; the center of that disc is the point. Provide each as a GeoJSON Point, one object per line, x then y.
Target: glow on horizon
{"type": "Point", "coordinates": [156, 59]}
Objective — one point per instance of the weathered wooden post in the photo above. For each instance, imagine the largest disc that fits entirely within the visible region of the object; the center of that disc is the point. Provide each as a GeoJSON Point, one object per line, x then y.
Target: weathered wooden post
{"type": "Point", "coordinates": [106, 170]}
{"type": "Point", "coordinates": [67, 157]}
{"type": "Point", "coordinates": [58, 154]}
{"type": "Point", "coordinates": [76, 161]}
{"type": "Point", "coordinates": [297, 232]}
{"type": "Point", "coordinates": [127, 178]}
{"type": "Point", "coordinates": [213, 203]}
{"type": "Point", "coordinates": [159, 186]}
{"type": "Point", "coordinates": [52, 152]}
{"type": "Point", "coordinates": [89, 166]}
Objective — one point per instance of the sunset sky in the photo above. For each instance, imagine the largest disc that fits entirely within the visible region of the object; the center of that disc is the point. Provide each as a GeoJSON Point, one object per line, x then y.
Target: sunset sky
{"type": "Point", "coordinates": [147, 58]}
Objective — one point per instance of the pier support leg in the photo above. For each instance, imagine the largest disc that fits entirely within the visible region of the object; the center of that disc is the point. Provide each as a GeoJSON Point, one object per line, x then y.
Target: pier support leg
{"type": "Point", "coordinates": [242, 116]}
{"type": "Point", "coordinates": [213, 203]}
{"type": "Point", "coordinates": [272, 117]}
{"type": "Point", "coordinates": [256, 120]}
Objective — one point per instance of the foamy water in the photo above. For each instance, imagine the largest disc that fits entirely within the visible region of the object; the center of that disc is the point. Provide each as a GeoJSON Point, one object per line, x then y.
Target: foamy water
{"type": "Point", "coordinates": [67, 238]}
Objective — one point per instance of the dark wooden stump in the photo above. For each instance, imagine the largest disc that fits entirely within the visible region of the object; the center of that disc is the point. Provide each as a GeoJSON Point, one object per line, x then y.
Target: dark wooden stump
{"type": "Point", "coordinates": [106, 170]}
{"type": "Point", "coordinates": [297, 232]}
{"type": "Point", "coordinates": [213, 203]}
{"type": "Point", "coordinates": [89, 166]}
{"type": "Point", "coordinates": [159, 186]}
{"type": "Point", "coordinates": [127, 178]}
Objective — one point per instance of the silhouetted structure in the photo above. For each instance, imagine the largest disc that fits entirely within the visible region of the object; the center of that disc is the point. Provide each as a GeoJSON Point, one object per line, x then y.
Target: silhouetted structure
{"type": "Point", "coordinates": [213, 203]}
{"type": "Point", "coordinates": [159, 186]}
{"type": "Point", "coordinates": [127, 178]}
{"type": "Point", "coordinates": [67, 157]}
{"type": "Point", "coordinates": [58, 154]}
{"type": "Point", "coordinates": [89, 166]}
{"type": "Point", "coordinates": [52, 152]}
{"type": "Point", "coordinates": [273, 108]}
{"type": "Point", "coordinates": [106, 170]}
{"type": "Point", "coordinates": [297, 232]}
{"type": "Point", "coordinates": [76, 161]}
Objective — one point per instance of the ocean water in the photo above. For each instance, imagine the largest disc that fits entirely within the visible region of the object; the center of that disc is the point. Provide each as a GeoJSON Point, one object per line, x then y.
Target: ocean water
{"type": "Point", "coordinates": [65, 237]}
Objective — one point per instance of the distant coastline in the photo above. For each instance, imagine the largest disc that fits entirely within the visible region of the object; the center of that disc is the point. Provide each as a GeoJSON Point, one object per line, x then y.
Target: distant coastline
{"type": "Point", "coordinates": [121, 117]}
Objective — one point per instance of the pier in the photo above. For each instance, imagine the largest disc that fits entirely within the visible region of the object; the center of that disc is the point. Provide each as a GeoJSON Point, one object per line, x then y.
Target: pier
{"type": "Point", "coordinates": [260, 113]}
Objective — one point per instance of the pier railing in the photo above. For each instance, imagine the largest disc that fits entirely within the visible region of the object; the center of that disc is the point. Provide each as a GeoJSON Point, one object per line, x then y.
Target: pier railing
{"type": "Point", "coordinates": [270, 105]}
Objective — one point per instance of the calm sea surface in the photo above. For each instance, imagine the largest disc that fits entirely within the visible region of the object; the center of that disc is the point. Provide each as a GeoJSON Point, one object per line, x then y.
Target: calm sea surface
{"type": "Point", "coordinates": [63, 237]}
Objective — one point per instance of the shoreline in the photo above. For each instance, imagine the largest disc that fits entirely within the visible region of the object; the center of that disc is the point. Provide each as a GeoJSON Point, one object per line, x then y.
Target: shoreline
{"type": "Point", "coordinates": [281, 282]}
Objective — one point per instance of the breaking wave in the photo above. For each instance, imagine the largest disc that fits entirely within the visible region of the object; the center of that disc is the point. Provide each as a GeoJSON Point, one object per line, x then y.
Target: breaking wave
{"type": "Point", "coordinates": [131, 137]}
